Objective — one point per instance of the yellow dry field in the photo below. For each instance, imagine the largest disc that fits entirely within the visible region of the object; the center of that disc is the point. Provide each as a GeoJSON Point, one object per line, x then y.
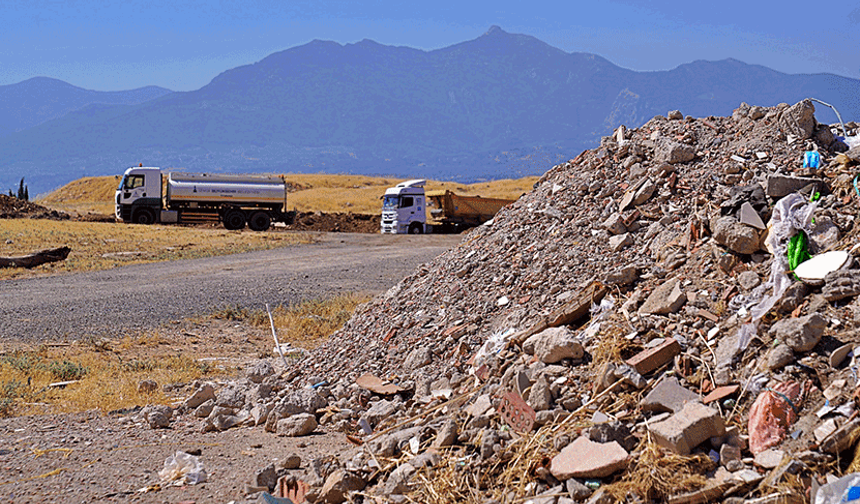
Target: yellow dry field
{"type": "Point", "coordinates": [103, 245]}
{"type": "Point", "coordinates": [315, 192]}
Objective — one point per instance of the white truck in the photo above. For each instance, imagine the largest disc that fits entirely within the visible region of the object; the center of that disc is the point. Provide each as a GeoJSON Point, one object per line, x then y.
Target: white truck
{"type": "Point", "coordinates": [406, 205]}
{"type": "Point", "coordinates": [146, 195]}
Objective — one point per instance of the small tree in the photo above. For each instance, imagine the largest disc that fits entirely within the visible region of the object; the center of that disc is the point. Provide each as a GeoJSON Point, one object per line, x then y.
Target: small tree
{"type": "Point", "coordinates": [23, 191]}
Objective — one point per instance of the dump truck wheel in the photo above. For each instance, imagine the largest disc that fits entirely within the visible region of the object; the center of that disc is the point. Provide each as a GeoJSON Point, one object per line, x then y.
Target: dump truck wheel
{"type": "Point", "coordinates": [416, 228]}
{"type": "Point", "coordinates": [144, 216]}
{"type": "Point", "coordinates": [260, 221]}
{"type": "Point", "coordinates": [234, 220]}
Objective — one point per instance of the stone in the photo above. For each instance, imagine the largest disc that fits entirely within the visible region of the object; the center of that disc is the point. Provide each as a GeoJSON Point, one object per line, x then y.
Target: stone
{"type": "Point", "coordinates": [338, 484]}
{"type": "Point", "coordinates": [748, 216]}
{"type": "Point", "coordinates": [749, 280]}
{"type": "Point", "coordinates": [614, 224]}
{"type": "Point", "coordinates": [554, 344]}
{"type": "Point", "coordinates": [793, 297]}
{"type": "Point", "coordinates": [779, 357]}
{"type": "Point", "coordinates": [205, 409]}
{"type": "Point", "coordinates": [300, 424]}
{"type": "Point", "coordinates": [259, 371]}
{"type": "Point", "coordinates": [447, 434]}
{"type": "Point", "coordinates": [629, 376]}
{"type": "Point", "coordinates": [622, 276]}
{"type": "Point", "coordinates": [729, 454]}
{"type": "Point", "coordinates": [650, 359]}
{"type": "Point", "coordinates": [668, 395]}
{"type": "Point", "coordinates": [841, 284]}
{"type": "Point", "coordinates": [769, 459]}
{"type": "Point", "coordinates": [398, 480]}
{"type": "Point", "coordinates": [301, 401]}
{"type": "Point", "coordinates": [540, 396]}
{"type": "Point", "coordinates": [667, 298]}
{"type": "Point", "coordinates": [613, 431]}
{"type": "Point", "coordinates": [158, 416]}
{"type": "Point", "coordinates": [798, 120]}
{"type": "Point", "coordinates": [842, 439]}
{"type": "Point", "coordinates": [379, 411]}
{"type": "Point", "coordinates": [577, 490]}
{"type": "Point", "coordinates": [735, 236]}
{"type": "Point", "coordinates": [824, 235]}
{"type": "Point", "coordinates": [266, 477]}
{"type": "Point", "coordinates": [584, 458]}
{"type": "Point", "coordinates": [147, 386]}
{"type": "Point", "coordinates": [200, 395]}
{"type": "Point", "coordinates": [489, 439]}
{"type": "Point", "coordinates": [690, 427]}
{"type": "Point", "coordinates": [645, 192]}
{"type": "Point", "coordinates": [827, 428]}
{"type": "Point", "coordinates": [291, 461]}
{"type": "Point", "coordinates": [620, 242]}
{"type": "Point", "coordinates": [783, 185]}
{"type": "Point", "coordinates": [802, 333]}
{"type": "Point", "coordinates": [674, 153]}
{"type": "Point", "coordinates": [230, 397]}
{"type": "Point", "coordinates": [674, 115]}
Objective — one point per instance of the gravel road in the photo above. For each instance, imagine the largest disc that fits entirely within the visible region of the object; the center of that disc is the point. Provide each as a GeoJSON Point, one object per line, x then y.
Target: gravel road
{"type": "Point", "coordinates": [114, 302]}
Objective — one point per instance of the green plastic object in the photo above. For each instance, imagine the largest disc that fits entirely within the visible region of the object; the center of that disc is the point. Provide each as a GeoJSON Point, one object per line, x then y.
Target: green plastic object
{"type": "Point", "coordinates": [798, 250]}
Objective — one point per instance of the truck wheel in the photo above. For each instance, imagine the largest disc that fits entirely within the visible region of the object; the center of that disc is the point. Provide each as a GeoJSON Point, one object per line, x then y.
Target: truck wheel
{"type": "Point", "coordinates": [234, 220]}
{"type": "Point", "coordinates": [260, 221]}
{"type": "Point", "coordinates": [144, 216]}
{"type": "Point", "coordinates": [416, 228]}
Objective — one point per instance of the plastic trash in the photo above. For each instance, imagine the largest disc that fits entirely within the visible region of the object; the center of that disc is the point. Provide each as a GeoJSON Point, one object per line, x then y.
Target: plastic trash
{"type": "Point", "coordinates": [845, 489]}
{"type": "Point", "coordinates": [183, 469]}
{"type": "Point", "coordinates": [811, 159]}
{"type": "Point", "coordinates": [772, 414]}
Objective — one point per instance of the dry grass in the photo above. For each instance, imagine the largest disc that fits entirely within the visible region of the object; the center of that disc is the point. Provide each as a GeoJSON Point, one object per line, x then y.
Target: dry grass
{"type": "Point", "coordinates": [316, 192]}
{"type": "Point", "coordinates": [100, 245]}
{"type": "Point", "coordinates": [108, 371]}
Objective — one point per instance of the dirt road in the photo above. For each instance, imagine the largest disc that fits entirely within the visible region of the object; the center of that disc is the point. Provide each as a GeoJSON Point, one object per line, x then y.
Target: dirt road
{"type": "Point", "coordinates": [118, 301]}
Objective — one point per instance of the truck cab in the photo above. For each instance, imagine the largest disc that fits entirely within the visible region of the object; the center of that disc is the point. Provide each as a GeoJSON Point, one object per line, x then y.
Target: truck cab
{"type": "Point", "coordinates": [403, 208]}
{"type": "Point", "coordinates": [138, 196]}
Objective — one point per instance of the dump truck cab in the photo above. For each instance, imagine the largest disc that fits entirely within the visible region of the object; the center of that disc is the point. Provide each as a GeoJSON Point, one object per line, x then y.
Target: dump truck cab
{"type": "Point", "coordinates": [403, 208]}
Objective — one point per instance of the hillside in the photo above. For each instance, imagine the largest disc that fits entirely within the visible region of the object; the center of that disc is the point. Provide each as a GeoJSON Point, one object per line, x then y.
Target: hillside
{"type": "Point", "coordinates": [500, 106]}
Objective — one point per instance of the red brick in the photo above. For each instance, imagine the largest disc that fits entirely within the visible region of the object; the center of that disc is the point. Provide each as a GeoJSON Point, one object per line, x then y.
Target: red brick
{"type": "Point", "coordinates": [648, 360]}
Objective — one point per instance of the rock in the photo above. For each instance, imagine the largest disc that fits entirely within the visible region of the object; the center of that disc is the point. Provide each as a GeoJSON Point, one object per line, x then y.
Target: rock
{"type": "Point", "coordinates": [230, 397]}
{"type": "Point", "coordinates": [779, 357]}
{"type": "Point", "coordinates": [266, 477]}
{"type": "Point", "coordinates": [668, 395]}
{"type": "Point", "coordinates": [613, 431]}
{"type": "Point", "coordinates": [842, 439]}
{"type": "Point", "coordinates": [584, 458]}
{"type": "Point", "coordinates": [147, 386]}
{"type": "Point", "coordinates": [622, 276]}
{"type": "Point", "coordinates": [645, 192]}
{"type": "Point", "coordinates": [205, 409]}
{"type": "Point", "coordinates": [690, 427]}
{"type": "Point", "coordinates": [447, 434]}
{"type": "Point", "coordinates": [554, 344]}
{"type": "Point", "coordinates": [398, 480]}
{"type": "Point", "coordinates": [674, 152]}
{"type": "Point", "coordinates": [793, 297]}
{"type": "Point", "coordinates": [614, 224]}
{"type": "Point", "coordinates": [798, 120]}
{"type": "Point", "coordinates": [338, 484]}
{"type": "Point", "coordinates": [202, 394]}
{"type": "Point", "coordinates": [730, 455]}
{"type": "Point", "coordinates": [291, 461]}
{"type": "Point", "coordinates": [801, 334]}
{"type": "Point", "coordinates": [824, 235]}
{"type": "Point", "coordinates": [735, 236]}
{"type": "Point", "coordinates": [540, 397]}
{"type": "Point", "coordinates": [222, 418]}
{"type": "Point", "coordinates": [749, 280]}
{"type": "Point", "coordinates": [674, 115]}
{"type": "Point", "coordinates": [259, 371]}
{"type": "Point", "coordinates": [301, 401]}
{"type": "Point", "coordinates": [577, 490]}
{"type": "Point", "coordinates": [158, 416]}
{"type": "Point", "coordinates": [769, 459]}
{"type": "Point", "coordinates": [620, 242]}
{"type": "Point", "coordinates": [667, 298]}
{"type": "Point", "coordinates": [300, 424]}
{"type": "Point", "coordinates": [841, 284]}
{"type": "Point", "coordinates": [379, 411]}
{"type": "Point", "coordinates": [489, 439]}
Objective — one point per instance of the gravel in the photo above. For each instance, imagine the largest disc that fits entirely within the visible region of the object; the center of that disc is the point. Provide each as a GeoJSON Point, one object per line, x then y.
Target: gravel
{"type": "Point", "coordinates": [114, 302]}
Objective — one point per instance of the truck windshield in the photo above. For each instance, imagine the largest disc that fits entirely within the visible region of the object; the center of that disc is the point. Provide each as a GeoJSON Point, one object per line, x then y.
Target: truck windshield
{"type": "Point", "coordinates": [121, 183]}
{"type": "Point", "coordinates": [390, 202]}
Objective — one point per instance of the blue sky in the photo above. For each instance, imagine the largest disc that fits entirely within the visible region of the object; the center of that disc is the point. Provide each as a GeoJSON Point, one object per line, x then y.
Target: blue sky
{"type": "Point", "coordinates": [182, 45]}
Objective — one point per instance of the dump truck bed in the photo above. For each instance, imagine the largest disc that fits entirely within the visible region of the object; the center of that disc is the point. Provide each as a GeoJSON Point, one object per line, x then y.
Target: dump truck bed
{"type": "Point", "coordinates": [451, 207]}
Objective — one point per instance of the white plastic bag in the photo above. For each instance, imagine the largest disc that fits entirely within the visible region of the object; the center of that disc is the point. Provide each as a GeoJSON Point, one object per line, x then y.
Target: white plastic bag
{"type": "Point", "coordinates": [845, 489]}
{"type": "Point", "coordinates": [183, 469]}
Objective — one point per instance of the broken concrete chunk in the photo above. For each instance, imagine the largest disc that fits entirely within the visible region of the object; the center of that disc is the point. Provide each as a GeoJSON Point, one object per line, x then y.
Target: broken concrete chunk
{"type": "Point", "coordinates": [622, 276]}
{"type": "Point", "coordinates": [674, 152]}
{"type": "Point", "coordinates": [783, 185]}
{"type": "Point", "coordinates": [841, 284]}
{"type": "Point", "coordinates": [801, 334]}
{"type": "Point", "coordinates": [338, 484]}
{"type": "Point", "coordinates": [690, 427]}
{"type": "Point", "coordinates": [769, 459]}
{"type": "Point", "coordinates": [259, 371]}
{"type": "Point", "coordinates": [620, 242]}
{"type": "Point", "coordinates": [667, 298]}
{"type": "Point", "coordinates": [615, 224]}
{"type": "Point", "coordinates": [584, 458]}
{"type": "Point", "coordinates": [202, 394]}
{"type": "Point", "coordinates": [447, 434]}
{"type": "Point", "coordinates": [735, 236]}
{"type": "Point", "coordinates": [554, 344]}
{"type": "Point", "coordinates": [779, 357]}
{"type": "Point", "coordinates": [300, 424]}
{"type": "Point", "coordinates": [668, 395]}
{"type": "Point", "coordinates": [798, 120]}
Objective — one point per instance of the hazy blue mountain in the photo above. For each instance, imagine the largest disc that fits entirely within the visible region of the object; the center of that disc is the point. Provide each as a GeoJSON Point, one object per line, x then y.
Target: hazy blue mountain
{"type": "Point", "coordinates": [34, 101]}
{"type": "Point", "coordinates": [501, 105]}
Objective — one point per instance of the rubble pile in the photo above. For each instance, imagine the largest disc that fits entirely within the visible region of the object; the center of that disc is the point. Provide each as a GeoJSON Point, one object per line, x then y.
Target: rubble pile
{"type": "Point", "coordinates": [336, 222]}
{"type": "Point", "coordinates": [14, 208]}
{"type": "Point", "coordinates": [633, 329]}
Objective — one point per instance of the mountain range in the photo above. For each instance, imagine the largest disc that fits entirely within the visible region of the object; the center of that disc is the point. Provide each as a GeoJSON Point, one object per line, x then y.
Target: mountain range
{"type": "Point", "coordinates": [499, 106]}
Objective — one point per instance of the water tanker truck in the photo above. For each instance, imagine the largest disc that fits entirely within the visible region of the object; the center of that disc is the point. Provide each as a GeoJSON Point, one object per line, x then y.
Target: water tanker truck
{"type": "Point", "coordinates": [146, 195]}
{"type": "Point", "coordinates": [406, 205]}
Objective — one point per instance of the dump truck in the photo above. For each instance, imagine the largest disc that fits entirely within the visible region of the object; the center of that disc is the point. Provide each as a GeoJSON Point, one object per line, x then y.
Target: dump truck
{"type": "Point", "coordinates": [146, 195]}
{"type": "Point", "coordinates": [405, 209]}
